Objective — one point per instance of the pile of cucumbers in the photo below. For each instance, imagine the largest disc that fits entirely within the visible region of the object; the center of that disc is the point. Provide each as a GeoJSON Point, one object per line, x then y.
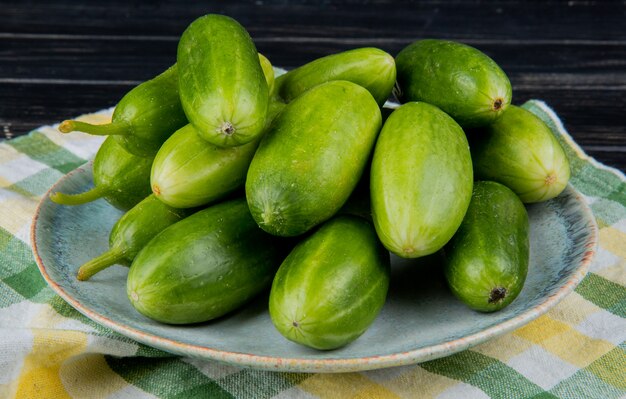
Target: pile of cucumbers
{"type": "Point", "coordinates": [235, 181]}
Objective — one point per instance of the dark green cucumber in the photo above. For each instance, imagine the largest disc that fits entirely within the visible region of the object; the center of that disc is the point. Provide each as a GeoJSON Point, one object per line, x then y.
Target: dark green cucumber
{"type": "Point", "coordinates": [519, 151]}
{"type": "Point", "coordinates": [189, 171]}
{"type": "Point", "coordinates": [487, 259]}
{"type": "Point", "coordinates": [461, 80]}
{"type": "Point", "coordinates": [121, 178]}
{"type": "Point", "coordinates": [370, 68]}
{"type": "Point", "coordinates": [332, 286]}
{"type": "Point", "coordinates": [144, 118]}
{"type": "Point", "coordinates": [131, 233]}
{"type": "Point", "coordinates": [222, 87]}
{"type": "Point", "coordinates": [312, 157]}
{"type": "Point", "coordinates": [359, 203]}
{"type": "Point", "coordinates": [203, 266]}
{"type": "Point", "coordinates": [420, 181]}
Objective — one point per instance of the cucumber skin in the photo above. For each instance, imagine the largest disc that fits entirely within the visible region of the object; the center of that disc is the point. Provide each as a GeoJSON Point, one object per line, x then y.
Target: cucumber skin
{"type": "Point", "coordinates": [421, 180]}
{"type": "Point", "coordinates": [268, 72]}
{"type": "Point", "coordinates": [142, 223]}
{"type": "Point", "coordinates": [203, 266]}
{"type": "Point", "coordinates": [125, 176]}
{"type": "Point", "coordinates": [470, 80]}
{"type": "Point", "coordinates": [151, 111]}
{"type": "Point", "coordinates": [221, 81]}
{"type": "Point", "coordinates": [188, 171]}
{"type": "Point", "coordinates": [333, 285]}
{"type": "Point", "coordinates": [520, 151]}
{"type": "Point", "coordinates": [368, 67]}
{"type": "Point", "coordinates": [322, 141]}
{"type": "Point", "coordinates": [490, 249]}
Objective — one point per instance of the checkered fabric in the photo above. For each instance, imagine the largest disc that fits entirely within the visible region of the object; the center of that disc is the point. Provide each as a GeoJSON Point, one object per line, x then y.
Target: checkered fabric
{"type": "Point", "coordinates": [49, 350]}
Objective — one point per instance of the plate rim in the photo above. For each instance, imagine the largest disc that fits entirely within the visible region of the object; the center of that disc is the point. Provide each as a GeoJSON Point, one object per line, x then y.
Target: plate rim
{"type": "Point", "coordinates": [276, 363]}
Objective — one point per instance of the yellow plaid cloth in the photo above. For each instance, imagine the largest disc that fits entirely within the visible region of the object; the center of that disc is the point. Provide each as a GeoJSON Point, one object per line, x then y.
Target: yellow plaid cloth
{"type": "Point", "coordinates": [49, 350]}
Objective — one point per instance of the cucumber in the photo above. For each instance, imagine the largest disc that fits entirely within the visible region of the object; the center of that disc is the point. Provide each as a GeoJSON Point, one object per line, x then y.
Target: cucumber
{"type": "Point", "coordinates": [312, 157]}
{"type": "Point", "coordinates": [144, 118]}
{"type": "Point", "coordinates": [222, 87]}
{"type": "Point", "coordinates": [520, 151]}
{"type": "Point", "coordinates": [420, 181]}
{"type": "Point", "coordinates": [370, 68]}
{"type": "Point", "coordinates": [188, 171]}
{"type": "Point", "coordinates": [203, 266]}
{"type": "Point", "coordinates": [121, 178]}
{"type": "Point", "coordinates": [359, 204]}
{"type": "Point", "coordinates": [268, 72]}
{"type": "Point", "coordinates": [487, 259]}
{"type": "Point", "coordinates": [461, 80]}
{"type": "Point", "coordinates": [131, 233]}
{"type": "Point", "coordinates": [332, 285]}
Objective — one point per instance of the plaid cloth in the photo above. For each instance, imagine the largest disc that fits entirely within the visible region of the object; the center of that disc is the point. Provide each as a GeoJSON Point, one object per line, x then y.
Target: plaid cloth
{"type": "Point", "coordinates": [49, 350]}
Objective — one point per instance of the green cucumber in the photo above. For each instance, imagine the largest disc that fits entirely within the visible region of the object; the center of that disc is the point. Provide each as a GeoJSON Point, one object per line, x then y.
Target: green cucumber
{"type": "Point", "coordinates": [520, 151]}
{"type": "Point", "coordinates": [131, 233]}
{"type": "Point", "coordinates": [421, 180]}
{"type": "Point", "coordinates": [332, 285]}
{"type": "Point", "coordinates": [370, 68]}
{"type": "Point", "coordinates": [312, 157]}
{"type": "Point", "coordinates": [487, 259]}
{"type": "Point", "coordinates": [222, 87]}
{"type": "Point", "coordinates": [268, 72]}
{"type": "Point", "coordinates": [144, 118]}
{"type": "Point", "coordinates": [121, 178]}
{"type": "Point", "coordinates": [189, 171]}
{"type": "Point", "coordinates": [203, 266]}
{"type": "Point", "coordinates": [461, 80]}
{"type": "Point", "coordinates": [359, 204]}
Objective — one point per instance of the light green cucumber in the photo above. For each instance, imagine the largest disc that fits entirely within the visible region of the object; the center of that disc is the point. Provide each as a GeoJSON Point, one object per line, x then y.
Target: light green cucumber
{"type": "Point", "coordinates": [222, 87]}
{"type": "Point", "coordinates": [368, 67]}
{"type": "Point", "coordinates": [188, 171]}
{"type": "Point", "coordinates": [421, 180]}
{"type": "Point", "coordinates": [520, 151]}
{"type": "Point", "coordinates": [312, 157]}
{"type": "Point", "coordinates": [268, 72]}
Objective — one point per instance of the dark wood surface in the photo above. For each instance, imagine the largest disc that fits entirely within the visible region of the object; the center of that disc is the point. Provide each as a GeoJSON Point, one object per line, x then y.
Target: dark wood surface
{"type": "Point", "coordinates": [61, 59]}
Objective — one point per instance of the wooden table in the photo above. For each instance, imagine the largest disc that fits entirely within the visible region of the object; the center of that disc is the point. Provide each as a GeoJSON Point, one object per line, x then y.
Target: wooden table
{"type": "Point", "coordinates": [61, 59]}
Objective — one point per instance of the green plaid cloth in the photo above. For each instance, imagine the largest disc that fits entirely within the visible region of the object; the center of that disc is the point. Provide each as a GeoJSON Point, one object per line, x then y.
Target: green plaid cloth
{"type": "Point", "coordinates": [49, 350]}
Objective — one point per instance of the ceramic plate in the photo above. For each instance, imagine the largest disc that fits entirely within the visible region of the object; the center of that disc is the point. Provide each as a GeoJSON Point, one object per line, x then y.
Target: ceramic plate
{"type": "Point", "coordinates": [421, 320]}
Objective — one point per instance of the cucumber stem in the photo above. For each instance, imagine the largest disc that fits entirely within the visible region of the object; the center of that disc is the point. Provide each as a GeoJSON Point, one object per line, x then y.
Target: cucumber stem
{"type": "Point", "coordinates": [497, 294]}
{"type": "Point", "coordinates": [108, 129]}
{"type": "Point", "coordinates": [227, 128]}
{"type": "Point", "coordinates": [550, 179]}
{"type": "Point", "coordinates": [99, 263]}
{"type": "Point", "coordinates": [497, 104]}
{"type": "Point", "coordinates": [78, 199]}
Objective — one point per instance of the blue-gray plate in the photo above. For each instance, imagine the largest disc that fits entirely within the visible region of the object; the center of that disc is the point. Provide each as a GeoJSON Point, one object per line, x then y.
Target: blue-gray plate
{"type": "Point", "coordinates": [421, 320]}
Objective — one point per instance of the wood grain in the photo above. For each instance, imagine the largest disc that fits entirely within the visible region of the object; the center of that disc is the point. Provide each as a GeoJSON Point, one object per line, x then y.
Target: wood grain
{"type": "Point", "coordinates": [62, 59]}
{"type": "Point", "coordinates": [495, 21]}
